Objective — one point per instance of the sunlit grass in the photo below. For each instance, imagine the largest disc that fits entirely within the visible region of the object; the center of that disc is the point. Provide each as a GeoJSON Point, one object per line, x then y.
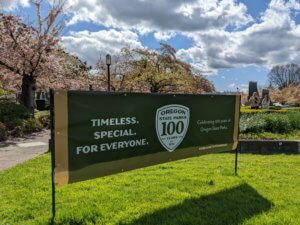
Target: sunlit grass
{"type": "Point", "coordinates": [200, 190]}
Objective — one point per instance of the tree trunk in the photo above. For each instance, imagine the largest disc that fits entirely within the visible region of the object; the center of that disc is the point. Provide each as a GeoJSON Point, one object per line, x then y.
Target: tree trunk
{"type": "Point", "coordinates": [28, 92]}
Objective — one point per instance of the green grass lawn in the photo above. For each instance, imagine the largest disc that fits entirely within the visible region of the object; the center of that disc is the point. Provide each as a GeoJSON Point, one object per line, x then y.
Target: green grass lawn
{"type": "Point", "coordinates": [200, 190]}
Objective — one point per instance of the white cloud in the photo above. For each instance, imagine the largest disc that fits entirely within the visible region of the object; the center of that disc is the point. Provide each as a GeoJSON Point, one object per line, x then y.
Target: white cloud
{"type": "Point", "coordinates": [12, 4]}
{"type": "Point", "coordinates": [224, 35]}
{"type": "Point", "coordinates": [238, 87]}
{"type": "Point", "coordinates": [160, 15]}
{"type": "Point", "coordinates": [232, 85]}
{"type": "Point", "coordinates": [164, 36]}
{"type": "Point", "coordinates": [90, 45]}
{"type": "Point", "coordinates": [274, 40]}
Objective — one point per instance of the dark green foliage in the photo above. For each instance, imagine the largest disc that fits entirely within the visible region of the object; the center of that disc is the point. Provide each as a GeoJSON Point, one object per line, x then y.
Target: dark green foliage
{"type": "Point", "coordinates": [10, 112]}
{"type": "Point", "coordinates": [26, 126]}
{"type": "Point", "coordinates": [276, 123]}
{"type": "Point", "coordinates": [3, 132]}
{"type": "Point", "coordinates": [294, 118]}
{"type": "Point", "coordinates": [275, 107]}
{"type": "Point", "coordinates": [17, 119]}
{"type": "Point", "coordinates": [32, 125]}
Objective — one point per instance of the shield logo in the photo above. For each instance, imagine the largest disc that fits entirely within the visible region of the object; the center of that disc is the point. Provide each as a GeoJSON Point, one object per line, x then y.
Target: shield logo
{"type": "Point", "coordinates": [172, 123]}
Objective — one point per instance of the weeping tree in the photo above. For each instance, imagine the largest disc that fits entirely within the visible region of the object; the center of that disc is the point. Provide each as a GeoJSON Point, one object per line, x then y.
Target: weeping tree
{"type": "Point", "coordinates": [29, 51]}
{"type": "Point", "coordinates": [143, 70]}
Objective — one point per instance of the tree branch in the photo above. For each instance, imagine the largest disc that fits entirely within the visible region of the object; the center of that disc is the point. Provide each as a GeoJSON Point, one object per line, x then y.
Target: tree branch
{"type": "Point", "coordinates": [10, 68]}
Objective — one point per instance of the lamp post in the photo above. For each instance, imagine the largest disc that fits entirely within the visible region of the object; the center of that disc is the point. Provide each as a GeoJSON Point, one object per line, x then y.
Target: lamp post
{"type": "Point", "coordinates": [108, 63]}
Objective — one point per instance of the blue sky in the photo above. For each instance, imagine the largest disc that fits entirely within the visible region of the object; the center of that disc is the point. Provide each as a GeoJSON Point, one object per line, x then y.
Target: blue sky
{"type": "Point", "coordinates": [230, 41]}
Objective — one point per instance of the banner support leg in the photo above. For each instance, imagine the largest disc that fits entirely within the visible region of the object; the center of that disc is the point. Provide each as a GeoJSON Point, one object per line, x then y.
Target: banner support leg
{"type": "Point", "coordinates": [53, 198]}
{"type": "Point", "coordinates": [52, 149]}
{"type": "Point", "coordinates": [236, 161]}
{"type": "Point", "coordinates": [238, 136]}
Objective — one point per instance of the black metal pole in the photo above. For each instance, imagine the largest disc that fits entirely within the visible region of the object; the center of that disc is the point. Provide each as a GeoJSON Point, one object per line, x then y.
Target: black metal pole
{"type": "Point", "coordinates": [236, 160]}
{"type": "Point", "coordinates": [108, 77]}
{"type": "Point", "coordinates": [52, 149]}
{"type": "Point", "coordinates": [238, 147]}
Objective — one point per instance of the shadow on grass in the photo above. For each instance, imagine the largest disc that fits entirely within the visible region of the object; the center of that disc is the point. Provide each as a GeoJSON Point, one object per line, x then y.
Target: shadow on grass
{"type": "Point", "coordinates": [231, 206]}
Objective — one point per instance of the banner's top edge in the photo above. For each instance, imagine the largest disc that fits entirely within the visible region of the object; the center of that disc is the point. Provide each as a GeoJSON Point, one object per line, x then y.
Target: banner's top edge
{"type": "Point", "coordinates": [143, 93]}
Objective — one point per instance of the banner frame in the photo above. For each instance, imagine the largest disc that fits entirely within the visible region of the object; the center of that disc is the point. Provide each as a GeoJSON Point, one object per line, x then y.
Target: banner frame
{"type": "Point", "coordinates": [60, 98]}
{"type": "Point", "coordinates": [58, 168]}
{"type": "Point", "coordinates": [52, 151]}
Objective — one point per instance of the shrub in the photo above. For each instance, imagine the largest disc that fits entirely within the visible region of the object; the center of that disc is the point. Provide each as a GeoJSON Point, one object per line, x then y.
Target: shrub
{"type": "Point", "coordinates": [32, 125]}
{"type": "Point", "coordinates": [44, 118]}
{"type": "Point", "coordinates": [294, 118]}
{"type": "Point", "coordinates": [11, 112]}
{"type": "Point", "coordinates": [275, 107]}
{"type": "Point", "coordinates": [272, 122]}
{"type": "Point", "coordinates": [18, 127]}
{"type": "Point", "coordinates": [252, 124]}
{"type": "Point", "coordinates": [3, 132]}
{"type": "Point", "coordinates": [26, 126]}
{"type": "Point", "coordinates": [295, 135]}
{"type": "Point", "coordinates": [45, 121]}
{"type": "Point", "coordinates": [17, 119]}
{"type": "Point", "coordinates": [277, 123]}
{"type": "Point", "coordinates": [272, 109]}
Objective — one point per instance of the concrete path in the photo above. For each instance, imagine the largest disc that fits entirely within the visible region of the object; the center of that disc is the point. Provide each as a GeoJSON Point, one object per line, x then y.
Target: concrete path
{"type": "Point", "coordinates": [18, 150]}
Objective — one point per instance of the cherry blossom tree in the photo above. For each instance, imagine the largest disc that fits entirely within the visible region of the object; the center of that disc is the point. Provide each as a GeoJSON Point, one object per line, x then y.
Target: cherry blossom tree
{"type": "Point", "coordinates": [30, 56]}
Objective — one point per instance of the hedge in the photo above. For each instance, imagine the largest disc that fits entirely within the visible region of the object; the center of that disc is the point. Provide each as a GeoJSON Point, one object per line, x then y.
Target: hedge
{"type": "Point", "coordinates": [17, 120]}
{"type": "Point", "coordinates": [3, 132]}
{"type": "Point", "coordinates": [270, 122]}
{"type": "Point", "coordinates": [273, 109]}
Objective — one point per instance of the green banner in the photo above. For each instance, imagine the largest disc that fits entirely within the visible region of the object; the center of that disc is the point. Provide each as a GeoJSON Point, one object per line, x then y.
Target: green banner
{"type": "Point", "coordinates": [98, 134]}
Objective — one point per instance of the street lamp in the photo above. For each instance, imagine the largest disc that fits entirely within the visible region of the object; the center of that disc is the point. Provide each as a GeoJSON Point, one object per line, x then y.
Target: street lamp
{"type": "Point", "coordinates": [108, 63]}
